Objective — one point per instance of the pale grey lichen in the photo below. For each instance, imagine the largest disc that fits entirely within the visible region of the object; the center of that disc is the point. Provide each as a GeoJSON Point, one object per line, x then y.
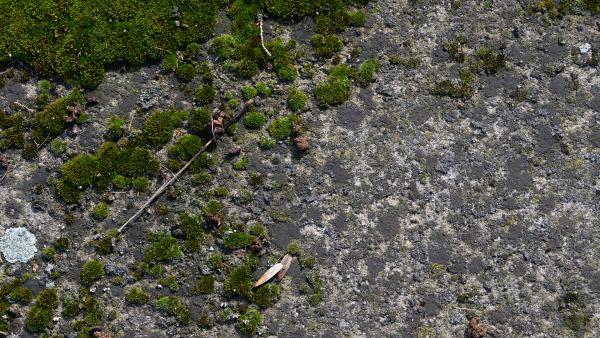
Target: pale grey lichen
{"type": "Point", "coordinates": [18, 245]}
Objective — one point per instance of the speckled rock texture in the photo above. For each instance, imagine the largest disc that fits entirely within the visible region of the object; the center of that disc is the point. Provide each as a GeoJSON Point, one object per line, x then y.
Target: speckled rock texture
{"type": "Point", "coordinates": [422, 211]}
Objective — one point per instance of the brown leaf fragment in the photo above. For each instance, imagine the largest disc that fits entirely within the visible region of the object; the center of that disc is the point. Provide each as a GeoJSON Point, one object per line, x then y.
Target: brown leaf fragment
{"type": "Point", "coordinates": [476, 329]}
{"type": "Point", "coordinates": [269, 274]}
{"type": "Point", "coordinates": [286, 261]}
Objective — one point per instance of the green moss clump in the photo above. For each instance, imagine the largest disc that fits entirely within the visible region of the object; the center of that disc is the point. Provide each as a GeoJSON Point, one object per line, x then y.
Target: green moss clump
{"type": "Point", "coordinates": [247, 68]}
{"type": "Point", "coordinates": [460, 89]}
{"type": "Point", "coordinates": [169, 282]}
{"type": "Point", "coordinates": [357, 18]}
{"type": "Point", "coordinates": [266, 295]}
{"type": "Point", "coordinates": [164, 248]}
{"type": "Point", "coordinates": [264, 89]}
{"type": "Point", "coordinates": [92, 271]}
{"type": "Point", "coordinates": [223, 46]}
{"type": "Point", "coordinates": [489, 60]}
{"type": "Point", "coordinates": [212, 207]}
{"type": "Point", "coordinates": [100, 211]}
{"type": "Point", "coordinates": [198, 120]}
{"type": "Point", "coordinates": [58, 147]}
{"type": "Point", "coordinates": [254, 120]}
{"type": "Point", "coordinates": [205, 94]}
{"type": "Point", "coordinates": [21, 295]}
{"type": "Point", "coordinates": [326, 46]}
{"type": "Point", "coordinates": [336, 89]}
{"type": "Point", "coordinates": [105, 245]}
{"type": "Point", "coordinates": [574, 311]}
{"type": "Point", "coordinates": [239, 281]}
{"type": "Point", "coordinates": [61, 244]}
{"type": "Point", "coordinates": [169, 63]}
{"type": "Point", "coordinates": [173, 306]}
{"type": "Point", "coordinates": [215, 261]}
{"type": "Point", "coordinates": [121, 182]}
{"type": "Point", "coordinates": [258, 230]}
{"type": "Point", "coordinates": [40, 315]}
{"type": "Point", "coordinates": [185, 147]}
{"type": "Point", "coordinates": [141, 184]}
{"type": "Point", "coordinates": [48, 253]}
{"type": "Point", "coordinates": [12, 131]}
{"type": "Point", "coordinates": [366, 72]}
{"type": "Point", "coordinates": [80, 171]}
{"type": "Point", "coordinates": [249, 322]}
{"type": "Point", "coordinates": [159, 127]}
{"type": "Point", "coordinates": [307, 262]}
{"type": "Point", "coordinates": [193, 231]}
{"type": "Point", "coordinates": [283, 62]}
{"type": "Point", "coordinates": [115, 128]}
{"type": "Point", "coordinates": [282, 128]}
{"type": "Point", "coordinates": [241, 164]}
{"type": "Point", "coordinates": [137, 296]}
{"type": "Point", "coordinates": [317, 286]}
{"type": "Point", "coordinates": [185, 72]}
{"type": "Point", "coordinates": [237, 240]}
{"type": "Point", "coordinates": [221, 191]}
{"type": "Point", "coordinates": [50, 121]}
{"type": "Point", "coordinates": [297, 99]}
{"type": "Point", "coordinates": [266, 143]}
{"type": "Point", "coordinates": [249, 92]}
{"type": "Point", "coordinates": [205, 285]}
{"type": "Point", "coordinates": [201, 178]}
{"type": "Point", "coordinates": [293, 248]}
{"type": "Point", "coordinates": [70, 306]}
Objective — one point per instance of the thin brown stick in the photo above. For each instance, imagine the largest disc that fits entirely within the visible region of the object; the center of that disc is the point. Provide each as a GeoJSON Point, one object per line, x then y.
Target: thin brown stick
{"type": "Point", "coordinates": [240, 112]}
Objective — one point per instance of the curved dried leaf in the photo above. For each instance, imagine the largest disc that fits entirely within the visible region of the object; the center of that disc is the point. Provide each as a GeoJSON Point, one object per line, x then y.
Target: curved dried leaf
{"type": "Point", "coordinates": [285, 261]}
{"type": "Point", "coordinates": [269, 274]}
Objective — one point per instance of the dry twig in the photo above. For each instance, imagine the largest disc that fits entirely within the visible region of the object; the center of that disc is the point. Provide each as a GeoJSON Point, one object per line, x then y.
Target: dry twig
{"type": "Point", "coordinates": [240, 112]}
{"type": "Point", "coordinates": [262, 39]}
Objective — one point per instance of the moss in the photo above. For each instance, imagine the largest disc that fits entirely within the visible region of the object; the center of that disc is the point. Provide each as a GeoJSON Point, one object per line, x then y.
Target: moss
{"type": "Point", "coordinates": [266, 143]}
{"type": "Point", "coordinates": [221, 191]}
{"type": "Point", "coordinates": [193, 232]}
{"type": "Point", "coordinates": [215, 261]}
{"type": "Point", "coordinates": [574, 311]}
{"type": "Point", "coordinates": [205, 285]}
{"type": "Point", "coordinates": [282, 59]}
{"type": "Point", "coordinates": [281, 128]}
{"type": "Point", "coordinates": [241, 164]}
{"type": "Point", "coordinates": [12, 134]}
{"type": "Point", "coordinates": [92, 310]}
{"type": "Point", "coordinates": [201, 178]}
{"type": "Point", "coordinates": [307, 262]}
{"type": "Point", "coordinates": [50, 122]}
{"type": "Point", "coordinates": [159, 127]}
{"type": "Point", "coordinates": [406, 62]}
{"type": "Point", "coordinates": [239, 281]}
{"type": "Point", "coordinates": [266, 295]}
{"type": "Point", "coordinates": [264, 89]}
{"type": "Point", "coordinates": [212, 207]}
{"type": "Point", "coordinates": [455, 49]}
{"type": "Point", "coordinates": [205, 94]}
{"type": "Point", "coordinates": [185, 147]}
{"type": "Point", "coordinates": [114, 131]}
{"type": "Point", "coordinates": [169, 282]}
{"type": "Point", "coordinates": [44, 87]}
{"type": "Point", "coordinates": [317, 286]}
{"type": "Point", "coordinates": [325, 46]}
{"type": "Point", "coordinates": [460, 89]}
{"type": "Point", "coordinates": [249, 92]}
{"type": "Point", "coordinates": [237, 240]}
{"type": "Point", "coordinates": [80, 171]}
{"type": "Point", "coordinates": [104, 245]}
{"type": "Point", "coordinates": [357, 18]}
{"type": "Point", "coordinates": [336, 89]}
{"type": "Point", "coordinates": [198, 120]}
{"type": "Point", "coordinates": [121, 182]}
{"type": "Point", "coordinates": [296, 99]}
{"type": "Point", "coordinates": [489, 60]}
{"type": "Point", "coordinates": [366, 72]}
{"type": "Point", "coordinates": [100, 211]}
{"type": "Point", "coordinates": [258, 230]}
{"type": "Point", "coordinates": [293, 248]}
{"type": "Point", "coordinates": [21, 294]}
{"type": "Point", "coordinates": [223, 46]}
{"type": "Point", "coordinates": [40, 315]}
{"type": "Point", "coordinates": [91, 271]}
{"type": "Point", "coordinates": [254, 120]}
{"type": "Point", "coordinates": [169, 63]}
{"type": "Point", "coordinates": [141, 184]}
{"type": "Point", "coordinates": [38, 319]}
{"type": "Point", "coordinates": [137, 296]}
{"type": "Point", "coordinates": [61, 244]}
{"type": "Point", "coordinates": [70, 306]}
{"type": "Point", "coordinates": [247, 68]}
{"type": "Point", "coordinates": [174, 307]}
{"type": "Point", "coordinates": [48, 253]}
{"type": "Point", "coordinates": [185, 72]}
{"type": "Point", "coordinates": [249, 322]}
{"type": "Point", "coordinates": [58, 147]}
{"type": "Point", "coordinates": [164, 247]}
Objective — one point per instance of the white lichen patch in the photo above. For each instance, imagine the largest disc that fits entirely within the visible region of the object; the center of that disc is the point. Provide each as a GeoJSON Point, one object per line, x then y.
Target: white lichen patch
{"type": "Point", "coordinates": [18, 245]}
